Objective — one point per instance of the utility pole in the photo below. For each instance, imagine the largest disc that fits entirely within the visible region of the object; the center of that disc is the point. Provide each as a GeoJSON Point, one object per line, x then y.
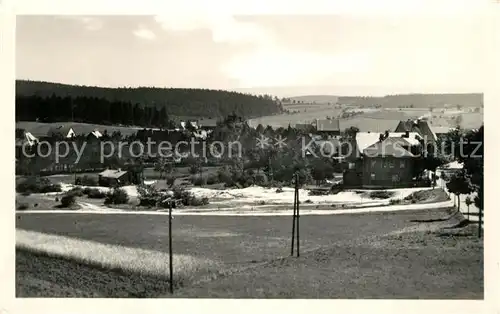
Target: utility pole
{"type": "Point", "coordinates": [298, 212]}
{"type": "Point", "coordinates": [293, 220]}
{"type": "Point", "coordinates": [170, 255]}
{"type": "Point", "coordinates": [296, 216]}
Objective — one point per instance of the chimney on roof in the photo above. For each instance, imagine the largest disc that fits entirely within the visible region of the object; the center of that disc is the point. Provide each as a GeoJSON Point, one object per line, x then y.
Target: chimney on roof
{"type": "Point", "coordinates": [407, 134]}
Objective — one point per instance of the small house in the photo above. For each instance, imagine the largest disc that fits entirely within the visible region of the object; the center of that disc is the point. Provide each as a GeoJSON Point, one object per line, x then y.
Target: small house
{"type": "Point", "coordinates": [381, 160]}
{"type": "Point", "coordinates": [389, 163]}
{"type": "Point", "coordinates": [25, 138]}
{"type": "Point", "coordinates": [61, 131]}
{"type": "Point", "coordinates": [114, 177]}
{"type": "Point", "coordinates": [95, 134]}
{"type": "Point", "coordinates": [25, 141]}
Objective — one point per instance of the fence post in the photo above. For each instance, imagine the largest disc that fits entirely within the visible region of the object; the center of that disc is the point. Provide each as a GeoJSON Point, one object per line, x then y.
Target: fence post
{"type": "Point", "coordinates": [293, 220]}
{"type": "Point", "coordinates": [170, 255]}
{"type": "Point", "coordinates": [298, 212]}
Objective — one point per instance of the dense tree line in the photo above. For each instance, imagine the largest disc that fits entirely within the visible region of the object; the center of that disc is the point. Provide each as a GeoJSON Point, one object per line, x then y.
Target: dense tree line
{"type": "Point", "coordinates": [176, 101]}
{"type": "Point", "coordinates": [88, 109]}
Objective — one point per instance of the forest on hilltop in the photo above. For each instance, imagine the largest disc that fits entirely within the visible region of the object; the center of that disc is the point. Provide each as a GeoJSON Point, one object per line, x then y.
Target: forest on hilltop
{"type": "Point", "coordinates": [52, 102]}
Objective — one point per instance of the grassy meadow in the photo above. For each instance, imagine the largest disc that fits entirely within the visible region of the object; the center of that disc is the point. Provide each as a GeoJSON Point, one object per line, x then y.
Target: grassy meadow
{"type": "Point", "coordinates": [376, 255]}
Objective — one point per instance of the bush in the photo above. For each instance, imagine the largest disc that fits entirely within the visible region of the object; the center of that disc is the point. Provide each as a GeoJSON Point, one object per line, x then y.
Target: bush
{"type": "Point", "coordinates": [116, 196]}
{"type": "Point", "coordinates": [318, 192]}
{"type": "Point", "coordinates": [76, 191]}
{"type": "Point", "coordinates": [394, 202]}
{"type": "Point", "coordinates": [148, 201]}
{"type": "Point", "coordinates": [96, 193]}
{"type": "Point", "coordinates": [225, 176]}
{"type": "Point", "coordinates": [188, 199]}
{"type": "Point", "coordinates": [170, 180]}
{"type": "Point", "coordinates": [180, 193]}
{"type": "Point", "coordinates": [37, 185]}
{"type": "Point", "coordinates": [197, 201]}
{"type": "Point", "coordinates": [381, 194]}
{"type": "Point", "coordinates": [198, 180]}
{"type": "Point", "coordinates": [211, 179]}
{"type": "Point", "coordinates": [261, 179]}
{"type": "Point", "coordinates": [194, 168]}
{"type": "Point", "coordinates": [86, 180]}
{"type": "Point", "coordinates": [68, 200]}
{"type": "Point", "coordinates": [148, 195]}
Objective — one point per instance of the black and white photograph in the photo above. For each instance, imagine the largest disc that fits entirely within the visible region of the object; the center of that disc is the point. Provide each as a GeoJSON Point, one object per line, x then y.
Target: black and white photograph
{"type": "Point", "coordinates": [219, 155]}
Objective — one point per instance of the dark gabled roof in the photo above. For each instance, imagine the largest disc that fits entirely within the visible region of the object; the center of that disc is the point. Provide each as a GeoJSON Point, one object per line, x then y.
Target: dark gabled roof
{"type": "Point", "coordinates": [390, 147]}
{"type": "Point", "coordinates": [418, 126]}
{"type": "Point", "coordinates": [62, 130]}
{"type": "Point", "coordinates": [327, 125]}
{"type": "Point", "coordinates": [408, 126]}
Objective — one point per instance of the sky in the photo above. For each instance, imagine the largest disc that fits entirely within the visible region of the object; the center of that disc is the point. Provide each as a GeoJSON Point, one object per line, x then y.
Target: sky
{"type": "Point", "coordinates": [283, 55]}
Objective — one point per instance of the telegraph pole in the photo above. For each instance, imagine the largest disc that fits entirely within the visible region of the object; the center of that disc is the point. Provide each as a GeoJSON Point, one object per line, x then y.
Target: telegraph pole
{"type": "Point", "coordinates": [296, 216]}
{"type": "Point", "coordinates": [170, 255]}
{"type": "Point", "coordinates": [298, 212]}
{"type": "Point", "coordinates": [293, 220]}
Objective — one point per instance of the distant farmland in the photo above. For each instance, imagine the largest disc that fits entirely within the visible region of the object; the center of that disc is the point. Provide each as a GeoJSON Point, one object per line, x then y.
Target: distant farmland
{"type": "Point", "coordinates": [374, 120]}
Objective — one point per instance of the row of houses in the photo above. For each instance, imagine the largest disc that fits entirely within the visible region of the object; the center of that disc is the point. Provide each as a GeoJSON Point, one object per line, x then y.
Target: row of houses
{"type": "Point", "coordinates": [26, 136]}
{"type": "Point", "coordinates": [374, 160]}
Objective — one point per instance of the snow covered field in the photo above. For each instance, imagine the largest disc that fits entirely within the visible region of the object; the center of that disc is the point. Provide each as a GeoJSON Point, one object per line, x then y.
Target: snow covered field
{"type": "Point", "coordinates": [257, 194]}
{"type": "Point", "coordinates": [256, 200]}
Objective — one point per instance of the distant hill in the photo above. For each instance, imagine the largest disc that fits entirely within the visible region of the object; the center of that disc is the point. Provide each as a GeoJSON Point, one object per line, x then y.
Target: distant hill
{"type": "Point", "coordinates": [393, 101]}
{"type": "Point", "coordinates": [177, 101]}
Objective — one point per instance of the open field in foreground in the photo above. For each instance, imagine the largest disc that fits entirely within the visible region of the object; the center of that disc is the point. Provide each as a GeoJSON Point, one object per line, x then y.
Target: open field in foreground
{"type": "Point", "coordinates": [377, 255]}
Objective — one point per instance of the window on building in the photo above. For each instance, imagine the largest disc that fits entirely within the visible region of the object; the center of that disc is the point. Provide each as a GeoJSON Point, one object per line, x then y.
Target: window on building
{"type": "Point", "coordinates": [373, 163]}
{"type": "Point", "coordinates": [351, 165]}
{"type": "Point", "coordinates": [390, 163]}
{"type": "Point", "coordinates": [401, 164]}
{"type": "Point", "coordinates": [372, 176]}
